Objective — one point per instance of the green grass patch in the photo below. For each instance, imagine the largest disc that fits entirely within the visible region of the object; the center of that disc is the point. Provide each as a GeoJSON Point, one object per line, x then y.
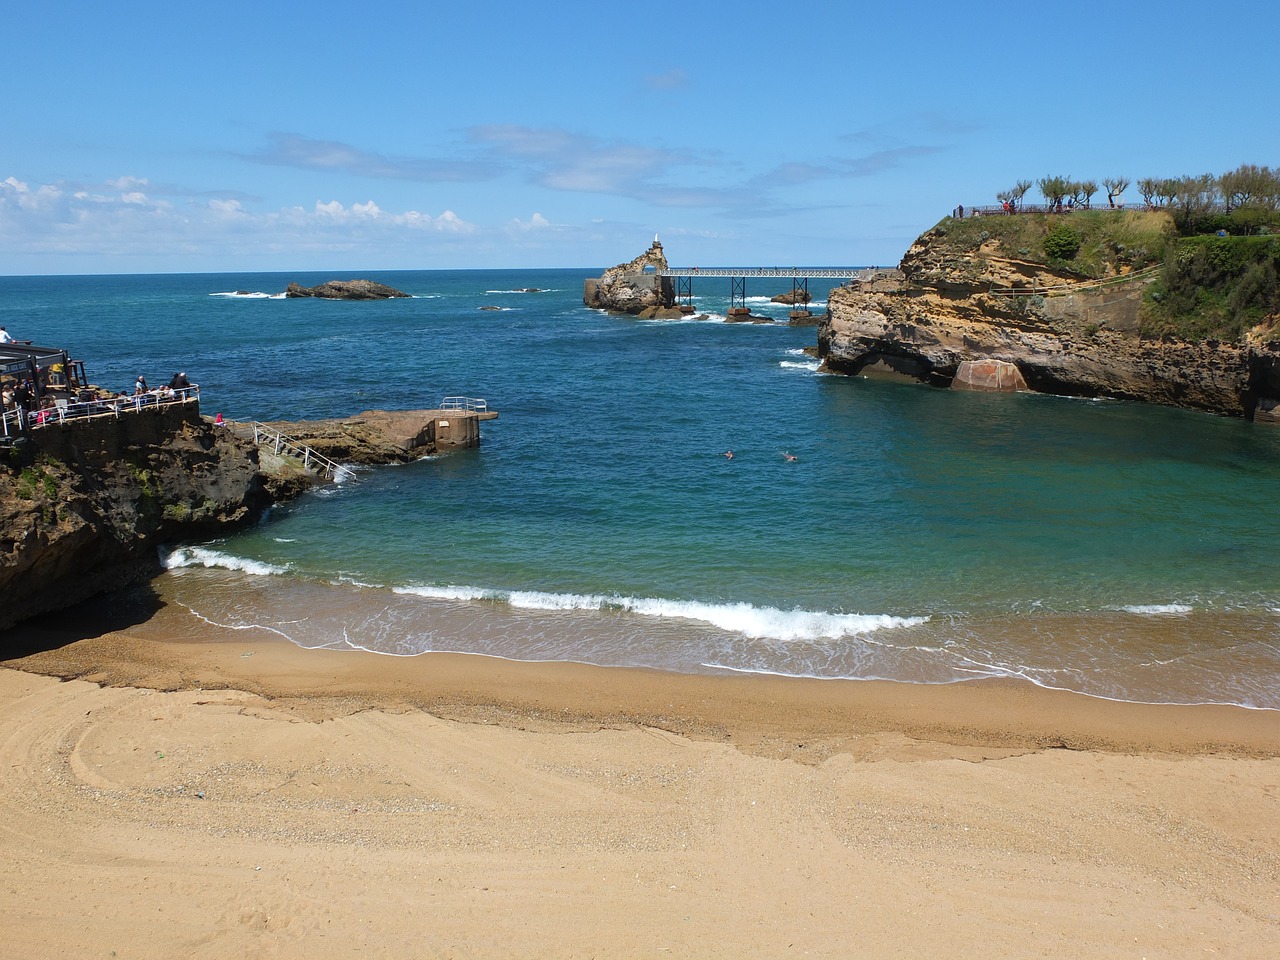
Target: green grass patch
{"type": "Point", "coordinates": [1109, 241]}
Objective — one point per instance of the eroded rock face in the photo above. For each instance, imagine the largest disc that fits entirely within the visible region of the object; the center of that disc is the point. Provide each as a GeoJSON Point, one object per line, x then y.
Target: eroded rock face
{"type": "Point", "coordinates": [85, 513]}
{"type": "Point", "coordinates": [372, 437]}
{"type": "Point", "coordinates": [631, 287]}
{"type": "Point", "coordinates": [85, 506]}
{"type": "Point", "coordinates": [345, 290]}
{"type": "Point", "coordinates": [988, 376]}
{"type": "Point", "coordinates": [939, 312]}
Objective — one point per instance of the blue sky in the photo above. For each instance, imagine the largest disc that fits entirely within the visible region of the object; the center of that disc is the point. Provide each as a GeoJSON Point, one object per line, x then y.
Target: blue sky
{"type": "Point", "coordinates": [163, 137]}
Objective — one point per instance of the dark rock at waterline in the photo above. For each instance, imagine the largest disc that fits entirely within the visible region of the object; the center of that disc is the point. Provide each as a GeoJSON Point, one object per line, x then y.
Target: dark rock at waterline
{"type": "Point", "coordinates": [792, 298]}
{"type": "Point", "coordinates": [345, 290]}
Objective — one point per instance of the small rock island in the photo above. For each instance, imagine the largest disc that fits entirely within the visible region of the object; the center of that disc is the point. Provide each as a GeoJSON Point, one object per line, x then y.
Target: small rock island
{"type": "Point", "coordinates": [345, 290]}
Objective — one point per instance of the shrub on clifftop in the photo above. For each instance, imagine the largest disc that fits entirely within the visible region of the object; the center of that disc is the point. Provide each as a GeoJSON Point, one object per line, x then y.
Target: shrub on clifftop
{"type": "Point", "coordinates": [1062, 243]}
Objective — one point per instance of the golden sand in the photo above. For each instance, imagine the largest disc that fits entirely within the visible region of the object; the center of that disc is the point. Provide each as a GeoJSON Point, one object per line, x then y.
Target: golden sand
{"type": "Point", "coordinates": [260, 800]}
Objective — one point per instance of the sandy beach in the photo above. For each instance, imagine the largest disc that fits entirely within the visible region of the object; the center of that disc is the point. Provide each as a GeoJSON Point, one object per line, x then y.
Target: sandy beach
{"type": "Point", "coordinates": [235, 799]}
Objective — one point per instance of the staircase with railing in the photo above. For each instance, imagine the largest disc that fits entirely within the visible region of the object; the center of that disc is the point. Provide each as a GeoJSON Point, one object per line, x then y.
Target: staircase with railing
{"type": "Point", "coordinates": [269, 438]}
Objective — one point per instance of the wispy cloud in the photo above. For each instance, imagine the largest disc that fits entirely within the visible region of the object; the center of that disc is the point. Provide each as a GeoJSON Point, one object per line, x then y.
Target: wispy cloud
{"type": "Point", "coordinates": [332, 156]}
{"type": "Point", "coordinates": [563, 160]}
{"type": "Point", "coordinates": [121, 218]}
{"type": "Point", "coordinates": [673, 79]}
{"type": "Point", "coordinates": [879, 161]}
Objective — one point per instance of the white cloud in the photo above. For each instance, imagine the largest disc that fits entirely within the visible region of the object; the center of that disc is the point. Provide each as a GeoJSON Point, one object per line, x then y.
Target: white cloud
{"type": "Point", "coordinates": [103, 220]}
{"type": "Point", "coordinates": [535, 222]}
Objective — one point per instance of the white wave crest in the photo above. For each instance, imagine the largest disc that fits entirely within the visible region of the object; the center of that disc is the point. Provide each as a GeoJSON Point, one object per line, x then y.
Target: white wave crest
{"type": "Point", "coordinates": [810, 365]}
{"type": "Point", "coordinates": [1158, 609]}
{"type": "Point", "coordinates": [204, 557]}
{"type": "Point", "coordinates": [444, 593]}
{"type": "Point", "coordinates": [748, 620]}
{"type": "Point", "coordinates": [770, 622]}
{"type": "Point", "coordinates": [249, 295]}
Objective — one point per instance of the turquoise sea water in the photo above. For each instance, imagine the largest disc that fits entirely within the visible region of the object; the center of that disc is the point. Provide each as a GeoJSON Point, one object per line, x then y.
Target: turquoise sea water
{"type": "Point", "coordinates": [1118, 549]}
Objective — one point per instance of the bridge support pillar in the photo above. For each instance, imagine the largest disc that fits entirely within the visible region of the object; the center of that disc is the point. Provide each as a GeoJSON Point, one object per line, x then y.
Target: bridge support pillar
{"type": "Point", "coordinates": [738, 297]}
{"type": "Point", "coordinates": [684, 294]}
{"type": "Point", "coordinates": [800, 299]}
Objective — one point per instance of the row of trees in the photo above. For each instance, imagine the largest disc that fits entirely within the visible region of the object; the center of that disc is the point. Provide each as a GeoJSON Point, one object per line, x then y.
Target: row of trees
{"type": "Point", "coordinates": [1248, 186]}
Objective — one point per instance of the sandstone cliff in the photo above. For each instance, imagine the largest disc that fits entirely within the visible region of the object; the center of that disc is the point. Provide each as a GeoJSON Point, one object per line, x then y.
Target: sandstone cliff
{"type": "Point", "coordinates": [1065, 333]}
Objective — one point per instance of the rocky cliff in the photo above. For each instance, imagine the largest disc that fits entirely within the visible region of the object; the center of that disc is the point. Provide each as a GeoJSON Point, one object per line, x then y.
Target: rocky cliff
{"type": "Point", "coordinates": [948, 307]}
{"type": "Point", "coordinates": [634, 287]}
{"type": "Point", "coordinates": [84, 507]}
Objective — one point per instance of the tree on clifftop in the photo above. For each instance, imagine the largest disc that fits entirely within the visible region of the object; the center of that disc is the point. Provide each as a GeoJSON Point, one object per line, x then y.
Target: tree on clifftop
{"type": "Point", "coordinates": [1054, 189]}
{"type": "Point", "coordinates": [1083, 191]}
{"type": "Point", "coordinates": [1115, 186]}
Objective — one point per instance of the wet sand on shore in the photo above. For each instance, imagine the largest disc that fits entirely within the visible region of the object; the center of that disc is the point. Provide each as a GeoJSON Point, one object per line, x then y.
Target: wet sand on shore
{"type": "Point", "coordinates": [256, 799]}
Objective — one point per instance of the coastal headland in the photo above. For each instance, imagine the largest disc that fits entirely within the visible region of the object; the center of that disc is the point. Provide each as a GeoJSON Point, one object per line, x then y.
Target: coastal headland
{"type": "Point", "coordinates": [982, 290]}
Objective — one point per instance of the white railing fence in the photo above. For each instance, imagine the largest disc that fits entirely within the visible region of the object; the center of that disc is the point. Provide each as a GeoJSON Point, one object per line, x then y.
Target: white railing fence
{"type": "Point", "coordinates": [467, 404]}
{"type": "Point", "coordinates": [66, 409]}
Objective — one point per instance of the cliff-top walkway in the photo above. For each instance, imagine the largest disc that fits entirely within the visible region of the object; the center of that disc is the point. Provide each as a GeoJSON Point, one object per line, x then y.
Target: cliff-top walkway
{"type": "Point", "coordinates": [64, 409]}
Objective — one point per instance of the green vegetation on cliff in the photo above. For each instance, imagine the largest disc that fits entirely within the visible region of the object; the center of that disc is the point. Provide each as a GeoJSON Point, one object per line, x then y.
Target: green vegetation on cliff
{"type": "Point", "coordinates": [1214, 286]}
{"type": "Point", "coordinates": [1086, 244]}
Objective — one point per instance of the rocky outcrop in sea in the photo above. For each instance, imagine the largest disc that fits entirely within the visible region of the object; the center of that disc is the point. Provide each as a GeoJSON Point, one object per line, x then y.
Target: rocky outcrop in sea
{"type": "Point", "coordinates": [636, 287]}
{"type": "Point", "coordinates": [345, 290]}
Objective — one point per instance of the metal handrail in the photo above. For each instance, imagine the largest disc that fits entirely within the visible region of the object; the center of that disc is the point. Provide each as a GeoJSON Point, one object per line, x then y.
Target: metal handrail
{"type": "Point", "coordinates": [828, 273]}
{"type": "Point", "coordinates": [282, 445]}
{"type": "Point", "coordinates": [1038, 291]}
{"type": "Point", "coordinates": [466, 404]}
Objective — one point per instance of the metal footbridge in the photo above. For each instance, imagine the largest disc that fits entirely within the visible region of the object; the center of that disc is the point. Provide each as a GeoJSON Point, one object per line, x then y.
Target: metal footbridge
{"type": "Point", "coordinates": [799, 277]}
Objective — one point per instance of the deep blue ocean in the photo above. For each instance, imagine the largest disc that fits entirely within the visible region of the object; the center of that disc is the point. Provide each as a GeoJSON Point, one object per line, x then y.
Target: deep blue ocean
{"type": "Point", "coordinates": [1117, 549]}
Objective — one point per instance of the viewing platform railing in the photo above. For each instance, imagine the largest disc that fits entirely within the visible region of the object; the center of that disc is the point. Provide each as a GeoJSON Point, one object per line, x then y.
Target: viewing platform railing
{"type": "Point", "coordinates": [65, 409]}
{"type": "Point", "coordinates": [465, 404]}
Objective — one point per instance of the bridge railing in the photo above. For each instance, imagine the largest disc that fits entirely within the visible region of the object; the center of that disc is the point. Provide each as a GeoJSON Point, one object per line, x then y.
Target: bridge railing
{"type": "Point", "coordinates": [785, 273]}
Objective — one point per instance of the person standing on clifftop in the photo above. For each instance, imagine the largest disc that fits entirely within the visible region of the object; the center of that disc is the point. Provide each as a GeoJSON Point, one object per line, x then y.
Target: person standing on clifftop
{"type": "Point", "coordinates": [22, 401]}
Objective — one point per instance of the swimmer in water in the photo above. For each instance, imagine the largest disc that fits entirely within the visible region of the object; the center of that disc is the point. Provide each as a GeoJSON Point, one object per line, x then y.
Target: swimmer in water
{"type": "Point", "coordinates": [790, 457]}
{"type": "Point", "coordinates": [728, 454]}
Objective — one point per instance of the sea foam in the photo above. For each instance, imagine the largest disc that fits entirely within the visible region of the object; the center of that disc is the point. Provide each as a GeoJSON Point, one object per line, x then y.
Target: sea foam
{"type": "Point", "coordinates": [744, 619]}
{"type": "Point", "coordinates": [1158, 609]}
{"type": "Point", "coordinates": [204, 557]}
